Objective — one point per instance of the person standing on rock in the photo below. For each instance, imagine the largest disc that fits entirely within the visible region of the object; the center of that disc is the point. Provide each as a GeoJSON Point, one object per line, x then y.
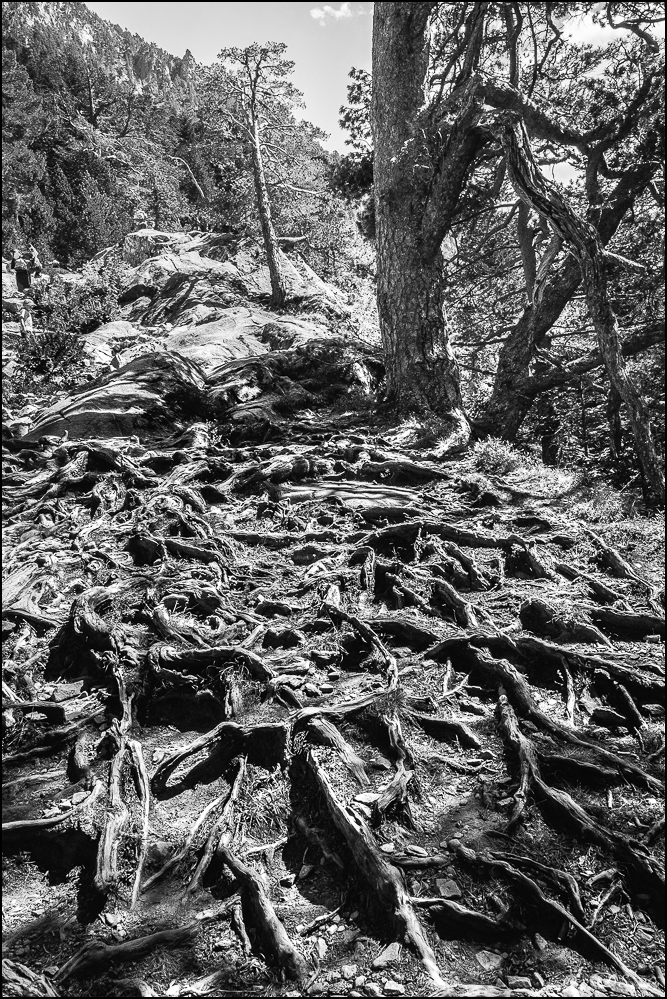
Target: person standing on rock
{"type": "Point", "coordinates": [25, 316]}
{"type": "Point", "coordinates": [140, 219]}
{"type": "Point", "coordinates": [34, 262]}
{"type": "Point", "coordinates": [25, 267]}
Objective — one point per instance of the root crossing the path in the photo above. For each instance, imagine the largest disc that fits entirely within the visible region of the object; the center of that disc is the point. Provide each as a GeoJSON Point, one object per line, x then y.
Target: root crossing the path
{"type": "Point", "coordinates": [354, 733]}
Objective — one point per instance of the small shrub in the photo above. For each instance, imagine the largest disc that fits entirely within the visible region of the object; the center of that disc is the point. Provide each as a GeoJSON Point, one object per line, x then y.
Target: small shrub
{"type": "Point", "coordinates": [50, 354]}
{"type": "Point", "coordinates": [602, 504]}
{"type": "Point", "coordinates": [53, 352]}
{"type": "Point", "coordinates": [496, 457]}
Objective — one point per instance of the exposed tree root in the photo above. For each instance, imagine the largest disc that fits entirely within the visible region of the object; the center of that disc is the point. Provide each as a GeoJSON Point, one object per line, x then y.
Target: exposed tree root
{"type": "Point", "coordinates": [628, 623]}
{"type": "Point", "coordinates": [408, 861]}
{"type": "Point", "coordinates": [275, 941]}
{"type": "Point", "coordinates": [544, 619]}
{"type": "Point", "coordinates": [54, 713]}
{"type": "Point", "coordinates": [238, 924]}
{"type": "Point", "coordinates": [145, 796]}
{"type": "Point", "coordinates": [371, 620]}
{"type": "Point", "coordinates": [523, 702]}
{"type": "Point", "coordinates": [382, 878]}
{"type": "Point", "coordinates": [470, 922]}
{"type": "Point", "coordinates": [185, 848]}
{"type": "Point", "coordinates": [580, 935]}
{"type": "Point", "coordinates": [645, 877]}
{"type": "Point", "coordinates": [50, 921]}
{"type": "Point", "coordinates": [199, 659]}
{"type": "Point", "coordinates": [17, 980]}
{"type": "Point", "coordinates": [395, 794]}
{"type": "Point", "coordinates": [618, 565]}
{"type": "Point", "coordinates": [50, 741]}
{"type": "Point", "coordinates": [317, 838]}
{"type": "Point", "coordinates": [117, 812]}
{"type": "Point", "coordinates": [220, 831]}
{"type": "Point", "coordinates": [528, 650]}
{"type": "Point", "coordinates": [562, 880]}
{"type": "Point", "coordinates": [598, 588]}
{"type": "Point", "coordinates": [449, 729]}
{"type": "Point", "coordinates": [478, 579]}
{"type": "Point", "coordinates": [326, 733]}
{"type": "Point", "coordinates": [36, 825]}
{"type": "Point", "coordinates": [133, 987]}
{"type": "Point", "coordinates": [95, 954]}
{"type": "Point", "coordinates": [463, 613]}
{"type": "Point", "coordinates": [369, 636]}
{"type": "Point", "coordinates": [267, 742]}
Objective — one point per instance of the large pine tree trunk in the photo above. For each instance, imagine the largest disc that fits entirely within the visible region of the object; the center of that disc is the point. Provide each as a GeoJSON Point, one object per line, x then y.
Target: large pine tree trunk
{"type": "Point", "coordinates": [586, 244]}
{"type": "Point", "coordinates": [422, 374]}
{"type": "Point", "coordinates": [273, 251]}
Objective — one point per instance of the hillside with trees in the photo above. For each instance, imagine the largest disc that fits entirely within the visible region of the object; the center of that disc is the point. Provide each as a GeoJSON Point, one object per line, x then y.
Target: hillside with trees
{"type": "Point", "coordinates": [333, 579]}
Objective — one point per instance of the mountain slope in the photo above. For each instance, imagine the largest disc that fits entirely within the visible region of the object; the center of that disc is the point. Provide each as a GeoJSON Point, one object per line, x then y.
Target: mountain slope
{"type": "Point", "coordinates": [290, 698]}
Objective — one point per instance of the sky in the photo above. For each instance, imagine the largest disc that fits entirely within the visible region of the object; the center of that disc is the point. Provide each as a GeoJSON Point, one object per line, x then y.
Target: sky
{"type": "Point", "coordinates": [324, 41]}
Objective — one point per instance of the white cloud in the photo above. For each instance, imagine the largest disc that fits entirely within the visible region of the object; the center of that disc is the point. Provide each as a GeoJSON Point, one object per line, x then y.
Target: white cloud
{"type": "Point", "coordinates": [326, 13]}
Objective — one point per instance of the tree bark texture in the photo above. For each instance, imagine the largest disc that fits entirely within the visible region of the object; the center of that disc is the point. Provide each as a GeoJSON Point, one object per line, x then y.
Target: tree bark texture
{"type": "Point", "coordinates": [419, 172]}
{"type": "Point", "coordinates": [585, 240]}
{"type": "Point", "coordinates": [273, 251]}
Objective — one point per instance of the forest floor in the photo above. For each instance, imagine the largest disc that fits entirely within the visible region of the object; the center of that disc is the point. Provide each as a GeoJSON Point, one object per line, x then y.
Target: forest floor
{"type": "Point", "coordinates": [328, 714]}
{"type": "Point", "coordinates": [327, 719]}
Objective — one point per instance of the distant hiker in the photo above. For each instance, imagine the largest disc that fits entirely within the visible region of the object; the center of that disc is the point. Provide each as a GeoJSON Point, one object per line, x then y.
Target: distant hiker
{"type": "Point", "coordinates": [25, 315]}
{"type": "Point", "coordinates": [25, 267]}
{"type": "Point", "coordinates": [34, 261]}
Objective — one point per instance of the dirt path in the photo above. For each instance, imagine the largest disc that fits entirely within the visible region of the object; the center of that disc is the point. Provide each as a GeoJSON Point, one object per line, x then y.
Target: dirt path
{"type": "Point", "coordinates": [314, 717]}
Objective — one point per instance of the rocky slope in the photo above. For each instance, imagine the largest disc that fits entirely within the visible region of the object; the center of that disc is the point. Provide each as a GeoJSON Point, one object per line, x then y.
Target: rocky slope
{"type": "Point", "coordinates": [293, 707]}
{"type": "Point", "coordinates": [141, 64]}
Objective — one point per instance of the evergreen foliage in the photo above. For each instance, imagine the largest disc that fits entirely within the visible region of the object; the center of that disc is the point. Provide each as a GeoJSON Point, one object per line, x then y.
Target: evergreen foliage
{"type": "Point", "coordinates": [98, 125]}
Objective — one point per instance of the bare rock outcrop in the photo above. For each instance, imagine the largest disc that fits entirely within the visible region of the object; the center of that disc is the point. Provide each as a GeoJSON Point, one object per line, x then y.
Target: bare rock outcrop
{"type": "Point", "coordinates": [151, 393]}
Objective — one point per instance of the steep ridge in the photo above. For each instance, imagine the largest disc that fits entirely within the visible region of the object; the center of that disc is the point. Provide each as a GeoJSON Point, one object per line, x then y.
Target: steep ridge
{"type": "Point", "coordinates": [141, 64]}
{"type": "Point", "coordinates": [293, 707]}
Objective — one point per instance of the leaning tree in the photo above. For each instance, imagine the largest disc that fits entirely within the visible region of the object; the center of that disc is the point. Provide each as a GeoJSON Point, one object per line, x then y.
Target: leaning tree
{"type": "Point", "coordinates": [582, 236]}
{"type": "Point", "coordinates": [443, 74]}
